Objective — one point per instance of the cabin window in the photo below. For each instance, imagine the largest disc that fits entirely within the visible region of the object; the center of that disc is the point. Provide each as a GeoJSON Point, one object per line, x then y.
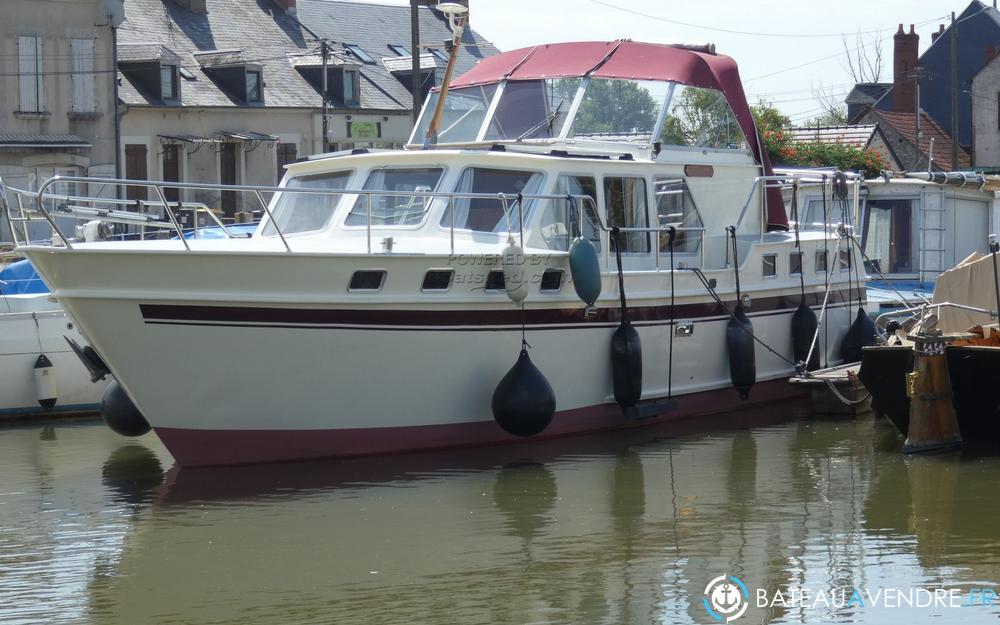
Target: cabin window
{"type": "Point", "coordinates": [701, 118]}
{"type": "Point", "coordinates": [619, 110]}
{"type": "Point", "coordinates": [811, 216]}
{"type": "Point", "coordinates": [395, 210]}
{"type": "Point", "coordinates": [487, 214]}
{"type": "Point", "coordinates": [821, 261]}
{"type": "Point", "coordinates": [675, 207]}
{"type": "Point", "coordinates": [437, 280]}
{"type": "Point", "coordinates": [559, 223]}
{"type": "Point", "coordinates": [844, 259]}
{"type": "Point", "coordinates": [305, 212]}
{"type": "Point", "coordinates": [532, 109]}
{"type": "Point", "coordinates": [625, 203]}
{"type": "Point", "coordinates": [367, 280]}
{"type": "Point", "coordinates": [888, 235]}
{"type": "Point", "coordinates": [770, 265]}
{"type": "Point", "coordinates": [795, 263]}
{"type": "Point", "coordinates": [463, 115]}
{"type": "Point", "coordinates": [551, 280]}
{"type": "Point", "coordinates": [495, 281]}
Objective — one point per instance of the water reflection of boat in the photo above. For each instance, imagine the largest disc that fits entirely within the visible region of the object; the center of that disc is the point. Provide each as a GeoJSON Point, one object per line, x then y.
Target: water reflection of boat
{"type": "Point", "coordinates": [576, 530]}
{"type": "Point", "coordinates": [369, 312]}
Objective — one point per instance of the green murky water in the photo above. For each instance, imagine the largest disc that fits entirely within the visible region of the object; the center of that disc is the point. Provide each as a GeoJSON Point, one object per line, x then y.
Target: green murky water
{"type": "Point", "coordinates": [613, 529]}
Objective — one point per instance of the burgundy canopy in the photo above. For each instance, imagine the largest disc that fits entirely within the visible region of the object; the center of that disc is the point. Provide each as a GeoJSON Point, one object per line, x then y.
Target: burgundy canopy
{"type": "Point", "coordinates": [637, 61]}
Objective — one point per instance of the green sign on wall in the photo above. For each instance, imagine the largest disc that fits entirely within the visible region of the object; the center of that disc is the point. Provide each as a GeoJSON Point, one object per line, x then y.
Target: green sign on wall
{"type": "Point", "coordinates": [364, 130]}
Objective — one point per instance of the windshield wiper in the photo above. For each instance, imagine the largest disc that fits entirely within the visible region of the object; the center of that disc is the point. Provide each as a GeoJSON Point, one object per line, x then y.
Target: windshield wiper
{"type": "Point", "coordinates": [547, 121]}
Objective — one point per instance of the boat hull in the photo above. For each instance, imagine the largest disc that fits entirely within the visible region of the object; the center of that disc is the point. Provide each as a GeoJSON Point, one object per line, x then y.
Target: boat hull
{"type": "Point", "coordinates": [305, 372]}
{"type": "Point", "coordinates": [38, 327]}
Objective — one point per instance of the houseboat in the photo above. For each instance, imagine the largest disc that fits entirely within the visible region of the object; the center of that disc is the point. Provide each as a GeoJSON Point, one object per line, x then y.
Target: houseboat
{"type": "Point", "coordinates": [563, 206]}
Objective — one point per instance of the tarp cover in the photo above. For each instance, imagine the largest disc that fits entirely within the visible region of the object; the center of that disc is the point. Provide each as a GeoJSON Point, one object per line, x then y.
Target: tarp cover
{"type": "Point", "coordinates": [637, 61]}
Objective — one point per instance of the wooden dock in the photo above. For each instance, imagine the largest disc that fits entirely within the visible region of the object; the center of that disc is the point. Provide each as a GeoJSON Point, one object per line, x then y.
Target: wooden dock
{"type": "Point", "coordinates": [835, 390]}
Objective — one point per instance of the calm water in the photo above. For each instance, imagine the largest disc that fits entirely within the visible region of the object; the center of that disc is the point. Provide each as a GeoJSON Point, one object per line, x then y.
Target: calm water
{"type": "Point", "coordinates": [624, 529]}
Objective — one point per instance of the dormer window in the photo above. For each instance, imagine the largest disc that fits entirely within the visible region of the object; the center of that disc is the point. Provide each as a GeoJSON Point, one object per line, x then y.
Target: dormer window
{"type": "Point", "coordinates": [168, 82]}
{"type": "Point", "coordinates": [356, 50]}
{"type": "Point", "coordinates": [153, 69]}
{"type": "Point", "coordinates": [343, 80]}
{"type": "Point", "coordinates": [253, 86]}
{"type": "Point", "coordinates": [240, 79]}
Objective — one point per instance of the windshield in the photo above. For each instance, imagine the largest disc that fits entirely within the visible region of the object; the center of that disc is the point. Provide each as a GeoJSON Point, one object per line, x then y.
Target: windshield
{"type": "Point", "coordinates": [463, 115]}
{"type": "Point", "coordinates": [701, 118]}
{"type": "Point", "coordinates": [395, 210]}
{"type": "Point", "coordinates": [305, 212]}
{"type": "Point", "coordinates": [487, 214]}
{"type": "Point", "coordinates": [619, 110]}
{"type": "Point", "coordinates": [532, 109]}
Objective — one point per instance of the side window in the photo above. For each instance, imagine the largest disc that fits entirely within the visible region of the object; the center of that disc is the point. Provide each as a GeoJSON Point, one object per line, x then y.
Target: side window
{"type": "Point", "coordinates": [625, 205]}
{"type": "Point", "coordinates": [701, 118]}
{"type": "Point", "coordinates": [560, 222]}
{"type": "Point", "coordinates": [675, 207]}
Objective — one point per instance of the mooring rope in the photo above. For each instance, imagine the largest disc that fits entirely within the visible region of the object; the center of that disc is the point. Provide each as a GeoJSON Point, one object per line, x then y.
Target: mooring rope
{"type": "Point", "coordinates": [718, 300]}
{"type": "Point", "coordinates": [671, 234]}
{"type": "Point", "coordinates": [849, 402]}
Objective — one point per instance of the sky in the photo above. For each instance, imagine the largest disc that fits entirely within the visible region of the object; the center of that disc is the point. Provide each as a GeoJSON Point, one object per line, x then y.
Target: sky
{"type": "Point", "coordinates": [786, 50]}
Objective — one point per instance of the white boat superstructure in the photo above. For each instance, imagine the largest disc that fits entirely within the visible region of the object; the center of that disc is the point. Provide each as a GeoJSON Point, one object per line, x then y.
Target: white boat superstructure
{"type": "Point", "coordinates": [378, 305]}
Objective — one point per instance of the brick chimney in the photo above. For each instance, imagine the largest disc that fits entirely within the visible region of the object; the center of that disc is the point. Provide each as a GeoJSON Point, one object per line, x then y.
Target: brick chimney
{"type": "Point", "coordinates": [287, 5]}
{"type": "Point", "coordinates": [940, 31]}
{"type": "Point", "coordinates": [904, 63]}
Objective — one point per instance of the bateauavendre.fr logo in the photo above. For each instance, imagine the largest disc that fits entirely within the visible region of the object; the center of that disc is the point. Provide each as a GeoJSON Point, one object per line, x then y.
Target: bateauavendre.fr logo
{"type": "Point", "coordinates": [727, 598]}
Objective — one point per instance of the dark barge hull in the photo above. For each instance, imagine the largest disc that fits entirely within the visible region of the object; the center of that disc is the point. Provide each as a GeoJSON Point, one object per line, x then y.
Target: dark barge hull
{"type": "Point", "coordinates": [974, 373]}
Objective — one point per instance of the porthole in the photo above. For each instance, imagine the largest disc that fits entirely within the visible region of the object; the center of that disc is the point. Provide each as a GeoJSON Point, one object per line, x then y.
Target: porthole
{"type": "Point", "coordinates": [494, 280]}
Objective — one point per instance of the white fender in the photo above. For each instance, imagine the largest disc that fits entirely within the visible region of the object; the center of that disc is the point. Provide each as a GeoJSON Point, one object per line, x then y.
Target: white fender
{"type": "Point", "coordinates": [515, 276]}
{"type": "Point", "coordinates": [45, 382]}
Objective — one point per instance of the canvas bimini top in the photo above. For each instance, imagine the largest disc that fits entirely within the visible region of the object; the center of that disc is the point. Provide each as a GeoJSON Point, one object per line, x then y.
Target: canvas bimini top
{"type": "Point", "coordinates": [600, 93]}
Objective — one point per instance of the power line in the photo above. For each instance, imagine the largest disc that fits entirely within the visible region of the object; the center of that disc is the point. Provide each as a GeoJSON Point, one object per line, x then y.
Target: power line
{"type": "Point", "coordinates": [732, 32]}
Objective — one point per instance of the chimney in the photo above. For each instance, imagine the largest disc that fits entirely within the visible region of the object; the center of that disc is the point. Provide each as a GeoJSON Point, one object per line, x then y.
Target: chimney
{"type": "Point", "coordinates": [195, 6]}
{"type": "Point", "coordinates": [287, 5]}
{"type": "Point", "coordinates": [904, 65]}
{"type": "Point", "coordinates": [940, 31]}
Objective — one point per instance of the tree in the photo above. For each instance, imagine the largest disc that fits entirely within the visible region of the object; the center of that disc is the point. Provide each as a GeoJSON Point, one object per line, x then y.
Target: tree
{"type": "Point", "coordinates": [768, 117]}
{"type": "Point", "coordinates": [864, 64]}
{"type": "Point", "coordinates": [615, 106]}
{"type": "Point", "coordinates": [700, 117]}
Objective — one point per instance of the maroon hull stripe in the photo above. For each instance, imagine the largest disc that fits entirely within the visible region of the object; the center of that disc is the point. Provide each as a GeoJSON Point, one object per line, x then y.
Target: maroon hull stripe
{"type": "Point", "coordinates": [307, 317]}
{"type": "Point", "coordinates": [220, 447]}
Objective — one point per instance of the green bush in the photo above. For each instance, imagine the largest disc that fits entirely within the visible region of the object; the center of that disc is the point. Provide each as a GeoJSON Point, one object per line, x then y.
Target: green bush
{"type": "Point", "coordinates": [784, 152]}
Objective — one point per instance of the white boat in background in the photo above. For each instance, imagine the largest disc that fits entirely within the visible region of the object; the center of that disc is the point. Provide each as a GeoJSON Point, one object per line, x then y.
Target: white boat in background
{"type": "Point", "coordinates": [39, 373]}
{"type": "Point", "coordinates": [382, 300]}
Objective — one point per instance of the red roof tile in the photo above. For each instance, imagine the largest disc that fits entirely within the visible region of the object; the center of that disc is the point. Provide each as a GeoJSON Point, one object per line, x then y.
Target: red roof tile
{"type": "Point", "coordinates": [904, 124]}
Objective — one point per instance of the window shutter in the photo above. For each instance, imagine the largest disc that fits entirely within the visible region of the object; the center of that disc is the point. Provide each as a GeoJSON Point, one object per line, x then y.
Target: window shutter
{"type": "Point", "coordinates": [27, 64]}
{"type": "Point", "coordinates": [83, 76]}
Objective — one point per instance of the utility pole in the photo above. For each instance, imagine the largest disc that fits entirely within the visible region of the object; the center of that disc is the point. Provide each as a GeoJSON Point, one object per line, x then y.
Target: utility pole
{"type": "Point", "coordinates": [954, 92]}
{"type": "Point", "coordinates": [415, 58]}
{"type": "Point", "coordinates": [326, 98]}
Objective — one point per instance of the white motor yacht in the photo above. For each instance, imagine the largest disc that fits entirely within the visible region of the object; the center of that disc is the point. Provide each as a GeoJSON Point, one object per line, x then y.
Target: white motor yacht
{"type": "Point", "coordinates": [602, 208]}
